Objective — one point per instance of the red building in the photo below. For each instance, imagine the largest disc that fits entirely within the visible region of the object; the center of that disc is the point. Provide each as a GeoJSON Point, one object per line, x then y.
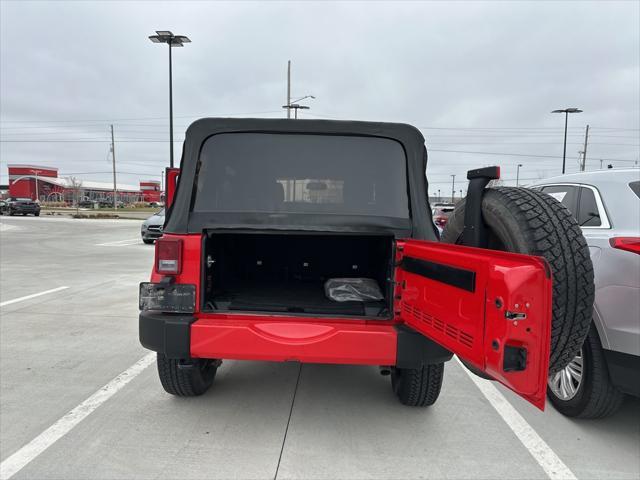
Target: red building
{"type": "Point", "coordinates": [43, 183]}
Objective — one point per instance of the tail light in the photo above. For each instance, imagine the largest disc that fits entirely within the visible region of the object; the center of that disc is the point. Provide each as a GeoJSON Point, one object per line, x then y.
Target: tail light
{"type": "Point", "coordinates": [630, 244]}
{"type": "Point", "coordinates": [169, 255]}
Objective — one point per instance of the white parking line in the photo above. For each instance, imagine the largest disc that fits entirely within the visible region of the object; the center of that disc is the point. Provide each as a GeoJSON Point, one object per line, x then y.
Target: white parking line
{"type": "Point", "coordinates": [120, 243]}
{"type": "Point", "coordinates": [64, 425]}
{"type": "Point", "coordinates": [16, 300]}
{"type": "Point", "coordinates": [537, 447]}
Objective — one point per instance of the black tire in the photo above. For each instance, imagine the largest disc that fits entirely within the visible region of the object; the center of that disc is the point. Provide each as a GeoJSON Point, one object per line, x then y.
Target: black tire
{"type": "Point", "coordinates": [147, 241]}
{"type": "Point", "coordinates": [417, 387]}
{"type": "Point", "coordinates": [531, 222]}
{"type": "Point", "coordinates": [37, 214]}
{"type": "Point", "coordinates": [596, 396]}
{"type": "Point", "coordinates": [186, 379]}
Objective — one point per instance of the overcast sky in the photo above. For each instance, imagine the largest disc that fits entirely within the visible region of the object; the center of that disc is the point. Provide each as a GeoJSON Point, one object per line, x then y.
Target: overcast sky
{"type": "Point", "coordinates": [478, 78]}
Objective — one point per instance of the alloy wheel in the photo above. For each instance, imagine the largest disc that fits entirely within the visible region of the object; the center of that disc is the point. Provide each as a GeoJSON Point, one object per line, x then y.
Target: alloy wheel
{"type": "Point", "coordinates": [566, 382]}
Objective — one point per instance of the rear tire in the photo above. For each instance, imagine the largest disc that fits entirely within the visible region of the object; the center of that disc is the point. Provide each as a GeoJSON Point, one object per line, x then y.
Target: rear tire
{"type": "Point", "coordinates": [186, 379]}
{"type": "Point", "coordinates": [527, 221]}
{"type": "Point", "coordinates": [417, 387]}
{"type": "Point", "coordinates": [595, 396]}
{"type": "Point", "coordinates": [37, 214]}
{"type": "Point", "coordinates": [147, 241]}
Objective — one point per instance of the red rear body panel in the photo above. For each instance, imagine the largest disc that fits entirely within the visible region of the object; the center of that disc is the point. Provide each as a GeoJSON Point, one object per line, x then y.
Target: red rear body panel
{"type": "Point", "coordinates": [308, 340]}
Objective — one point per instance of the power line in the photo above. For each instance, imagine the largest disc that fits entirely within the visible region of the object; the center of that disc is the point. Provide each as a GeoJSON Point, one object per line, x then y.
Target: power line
{"type": "Point", "coordinates": [108, 120]}
{"type": "Point", "coordinates": [516, 154]}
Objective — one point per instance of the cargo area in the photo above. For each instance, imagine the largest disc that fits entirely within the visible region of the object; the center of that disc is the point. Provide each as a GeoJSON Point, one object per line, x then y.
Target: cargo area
{"type": "Point", "coordinates": [287, 273]}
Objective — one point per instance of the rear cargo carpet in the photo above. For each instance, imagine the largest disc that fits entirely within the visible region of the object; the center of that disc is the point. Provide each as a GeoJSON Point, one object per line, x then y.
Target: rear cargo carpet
{"type": "Point", "coordinates": [286, 430]}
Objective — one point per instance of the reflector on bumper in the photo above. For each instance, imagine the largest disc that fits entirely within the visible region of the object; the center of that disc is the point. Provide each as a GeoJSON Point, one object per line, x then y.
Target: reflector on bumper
{"type": "Point", "coordinates": [176, 298]}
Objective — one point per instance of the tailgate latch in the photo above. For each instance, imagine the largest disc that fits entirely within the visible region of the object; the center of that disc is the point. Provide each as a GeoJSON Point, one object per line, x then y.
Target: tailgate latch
{"type": "Point", "coordinates": [514, 315]}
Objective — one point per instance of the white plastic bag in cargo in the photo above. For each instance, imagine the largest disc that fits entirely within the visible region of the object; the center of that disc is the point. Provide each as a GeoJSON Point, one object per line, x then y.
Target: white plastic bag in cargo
{"type": "Point", "coordinates": [352, 290]}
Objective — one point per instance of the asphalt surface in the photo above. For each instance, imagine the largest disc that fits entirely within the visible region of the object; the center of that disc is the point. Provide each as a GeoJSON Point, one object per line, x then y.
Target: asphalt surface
{"type": "Point", "coordinates": [260, 420]}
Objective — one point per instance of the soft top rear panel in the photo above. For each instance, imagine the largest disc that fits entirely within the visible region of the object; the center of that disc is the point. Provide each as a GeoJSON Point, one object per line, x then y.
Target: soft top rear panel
{"type": "Point", "coordinates": [181, 220]}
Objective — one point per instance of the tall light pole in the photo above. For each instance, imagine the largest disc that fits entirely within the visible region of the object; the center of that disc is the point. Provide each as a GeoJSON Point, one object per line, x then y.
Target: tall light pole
{"type": "Point", "coordinates": [165, 36]}
{"type": "Point", "coordinates": [453, 187]}
{"type": "Point", "coordinates": [518, 174]}
{"type": "Point", "coordinates": [566, 112]}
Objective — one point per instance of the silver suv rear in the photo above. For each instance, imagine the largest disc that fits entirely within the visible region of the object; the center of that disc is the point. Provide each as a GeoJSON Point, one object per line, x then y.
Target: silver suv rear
{"type": "Point", "coordinates": [606, 204]}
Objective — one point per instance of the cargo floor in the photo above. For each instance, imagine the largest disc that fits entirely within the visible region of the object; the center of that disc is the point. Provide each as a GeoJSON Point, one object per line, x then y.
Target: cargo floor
{"type": "Point", "coordinates": [291, 298]}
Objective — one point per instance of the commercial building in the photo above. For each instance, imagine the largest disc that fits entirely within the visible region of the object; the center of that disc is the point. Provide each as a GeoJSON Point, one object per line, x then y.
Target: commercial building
{"type": "Point", "coordinates": [43, 183]}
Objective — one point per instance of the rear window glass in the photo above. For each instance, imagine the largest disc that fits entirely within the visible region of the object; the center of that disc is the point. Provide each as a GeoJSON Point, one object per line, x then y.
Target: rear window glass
{"type": "Point", "coordinates": [588, 214]}
{"type": "Point", "coordinates": [298, 173]}
{"type": "Point", "coordinates": [635, 186]}
{"type": "Point", "coordinates": [566, 194]}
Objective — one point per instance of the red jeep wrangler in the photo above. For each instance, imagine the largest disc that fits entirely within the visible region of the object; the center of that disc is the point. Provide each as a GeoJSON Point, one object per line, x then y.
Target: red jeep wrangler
{"type": "Point", "coordinates": [312, 241]}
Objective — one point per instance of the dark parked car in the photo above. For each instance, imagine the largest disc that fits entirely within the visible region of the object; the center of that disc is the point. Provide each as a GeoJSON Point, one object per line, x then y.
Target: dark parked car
{"type": "Point", "coordinates": [312, 241]}
{"type": "Point", "coordinates": [20, 206]}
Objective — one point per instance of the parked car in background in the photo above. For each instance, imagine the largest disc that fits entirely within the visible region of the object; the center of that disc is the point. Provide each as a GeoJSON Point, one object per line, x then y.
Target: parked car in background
{"type": "Point", "coordinates": [88, 203]}
{"type": "Point", "coordinates": [606, 204]}
{"type": "Point", "coordinates": [20, 206]}
{"type": "Point", "coordinates": [151, 228]}
{"type": "Point", "coordinates": [108, 203]}
{"type": "Point", "coordinates": [440, 213]}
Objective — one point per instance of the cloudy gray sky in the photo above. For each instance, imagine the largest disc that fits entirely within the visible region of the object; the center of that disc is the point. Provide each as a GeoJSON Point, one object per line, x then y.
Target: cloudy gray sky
{"type": "Point", "coordinates": [478, 78]}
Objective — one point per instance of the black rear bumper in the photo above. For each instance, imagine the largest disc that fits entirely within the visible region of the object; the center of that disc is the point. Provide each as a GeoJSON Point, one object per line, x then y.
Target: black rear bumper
{"type": "Point", "coordinates": [166, 333]}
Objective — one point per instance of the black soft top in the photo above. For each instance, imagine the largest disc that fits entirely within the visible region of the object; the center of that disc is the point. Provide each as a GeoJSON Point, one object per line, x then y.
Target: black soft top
{"type": "Point", "coordinates": [181, 220]}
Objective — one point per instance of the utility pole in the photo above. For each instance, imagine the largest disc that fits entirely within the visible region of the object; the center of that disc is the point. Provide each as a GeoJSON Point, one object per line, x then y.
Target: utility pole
{"type": "Point", "coordinates": [600, 164]}
{"type": "Point", "coordinates": [170, 116]}
{"type": "Point", "coordinates": [453, 188]}
{"type": "Point", "coordinates": [113, 158]}
{"type": "Point", "coordinates": [584, 152]}
{"type": "Point", "coordinates": [289, 89]}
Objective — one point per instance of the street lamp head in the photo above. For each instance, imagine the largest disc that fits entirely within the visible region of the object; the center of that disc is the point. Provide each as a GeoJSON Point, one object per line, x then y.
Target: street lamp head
{"type": "Point", "coordinates": [568, 110]}
{"type": "Point", "coordinates": [165, 36]}
{"type": "Point", "coordinates": [519, 164]}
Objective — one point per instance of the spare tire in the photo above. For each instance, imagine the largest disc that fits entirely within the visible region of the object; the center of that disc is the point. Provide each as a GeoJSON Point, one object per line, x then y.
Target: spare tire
{"type": "Point", "coordinates": [531, 222]}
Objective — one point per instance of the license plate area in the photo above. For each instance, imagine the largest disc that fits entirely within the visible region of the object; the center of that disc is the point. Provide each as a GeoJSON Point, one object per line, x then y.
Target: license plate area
{"type": "Point", "coordinates": [173, 298]}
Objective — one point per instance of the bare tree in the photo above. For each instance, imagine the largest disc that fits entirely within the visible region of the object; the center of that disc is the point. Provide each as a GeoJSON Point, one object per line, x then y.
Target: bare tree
{"type": "Point", "coordinates": [75, 184]}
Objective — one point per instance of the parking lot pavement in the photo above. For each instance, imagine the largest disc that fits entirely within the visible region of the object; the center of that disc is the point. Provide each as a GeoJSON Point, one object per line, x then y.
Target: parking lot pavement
{"type": "Point", "coordinates": [260, 419]}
